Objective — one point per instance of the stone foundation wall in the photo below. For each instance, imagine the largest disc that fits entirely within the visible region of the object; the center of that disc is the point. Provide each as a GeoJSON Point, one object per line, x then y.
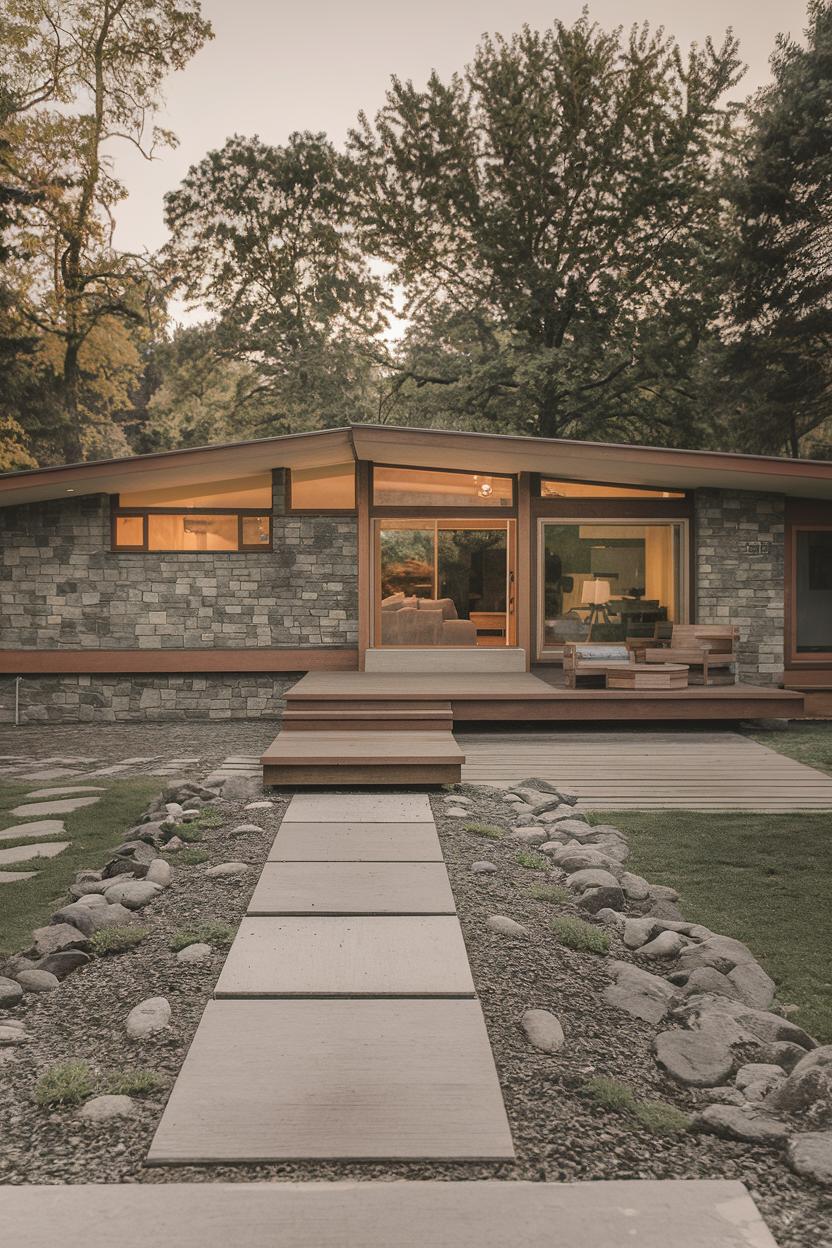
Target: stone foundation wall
{"type": "Point", "coordinates": [126, 699]}
{"type": "Point", "coordinates": [740, 542]}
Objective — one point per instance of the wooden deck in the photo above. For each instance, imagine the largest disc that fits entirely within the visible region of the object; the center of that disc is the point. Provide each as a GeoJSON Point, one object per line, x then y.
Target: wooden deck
{"type": "Point", "coordinates": [683, 769]}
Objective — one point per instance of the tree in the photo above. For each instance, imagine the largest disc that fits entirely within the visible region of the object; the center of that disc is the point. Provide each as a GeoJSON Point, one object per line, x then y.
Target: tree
{"type": "Point", "coordinates": [91, 73]}
{"type": "Point", "coordinates": [261, 236]}
{"type": "Point", "coordinates": [778, 367]}
{"type": "Point", "coordinates": [556, 206]}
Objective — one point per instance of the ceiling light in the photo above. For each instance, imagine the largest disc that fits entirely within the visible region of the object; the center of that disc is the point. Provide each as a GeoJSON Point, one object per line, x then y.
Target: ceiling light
{"type": "Point", "coordinates": [486, 490]}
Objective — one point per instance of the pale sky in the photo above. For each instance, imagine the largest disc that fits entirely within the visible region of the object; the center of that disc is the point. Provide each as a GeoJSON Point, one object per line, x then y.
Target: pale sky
{"type": "Point", "coordinates": [276, 66]}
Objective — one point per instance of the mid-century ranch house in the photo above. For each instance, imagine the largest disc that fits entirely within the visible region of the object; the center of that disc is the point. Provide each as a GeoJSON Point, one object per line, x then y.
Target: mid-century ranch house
{"type": "Point", "coordinates": [205, 583]}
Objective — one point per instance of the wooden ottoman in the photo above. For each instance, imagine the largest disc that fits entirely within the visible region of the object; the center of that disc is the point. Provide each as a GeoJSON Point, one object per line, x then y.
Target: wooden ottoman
{"type": "Point", "coordinates": [648, 676]}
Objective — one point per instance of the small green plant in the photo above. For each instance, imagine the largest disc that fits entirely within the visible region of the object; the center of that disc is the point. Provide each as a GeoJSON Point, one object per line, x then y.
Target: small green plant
{"type": "Point", "coordinates": [117, 939]}
{"type": "Point", "coordinates": [488, 830]}
{"type": "Point", "coordinates": [661, 1118]}
{"type": "Point", "coordinates": [209, 817]}
{"type": "Point", "coordinates": [555, 893]}
{"type": "Point", "coordinates": [135, 1082]}
{"type": "Point", "coordinates": [576, 934]}
{"type": "Point", "coordinates": [190, 856]}
{"type": "Point", "coordinates": [187, 832]}
{"type": "Point", "coordinates": [214, 933]}
{"type": "Point", "coordinates": [68, 1083]}
{"type": "Point", "coordinates": [531, 861]}
{"type": "Point", "coordinates": [609, 1093]}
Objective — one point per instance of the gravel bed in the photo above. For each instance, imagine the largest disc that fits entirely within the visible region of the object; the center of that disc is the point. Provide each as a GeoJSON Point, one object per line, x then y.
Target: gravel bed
{"type": "Point", "coordinates": [210, 741]}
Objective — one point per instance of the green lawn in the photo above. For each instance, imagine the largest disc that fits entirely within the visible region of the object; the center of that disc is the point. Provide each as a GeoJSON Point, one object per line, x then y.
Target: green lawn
{"type": "Point", "coordinates": [764, 879]}
{"type": "Point", "coordinates": [93, 831]}
{"type": "Point", "coordinates": [809, 742]}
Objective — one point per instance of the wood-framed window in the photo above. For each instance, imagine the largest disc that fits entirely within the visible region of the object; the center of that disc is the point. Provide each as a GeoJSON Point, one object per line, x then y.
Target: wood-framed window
{"type": "Point", "coordinates": [324, 491]}
{"type": "Point", "coordinates": [809, 594]}
{"type": "Point", "coordinates": [551, 487]}
{"type": "Point", "coordinates": [398, 490]}
{"type": "Point", "coordinates": [219, 517]}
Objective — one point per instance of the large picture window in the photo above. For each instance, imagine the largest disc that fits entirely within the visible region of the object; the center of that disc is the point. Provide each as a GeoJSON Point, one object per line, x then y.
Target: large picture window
{"type": "Point", "coordinates": [813, 591]}
{"type": "Point", "coordinates": [229, 516]}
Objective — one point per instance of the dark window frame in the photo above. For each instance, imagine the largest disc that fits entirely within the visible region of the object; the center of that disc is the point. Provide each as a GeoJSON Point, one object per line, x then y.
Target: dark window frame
{"type": "Point", "coordinates": [240, 512]}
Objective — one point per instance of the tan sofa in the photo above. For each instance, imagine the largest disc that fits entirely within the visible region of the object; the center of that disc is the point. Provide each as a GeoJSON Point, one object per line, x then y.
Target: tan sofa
{"type": "Point", "coordinates": [423, 622]}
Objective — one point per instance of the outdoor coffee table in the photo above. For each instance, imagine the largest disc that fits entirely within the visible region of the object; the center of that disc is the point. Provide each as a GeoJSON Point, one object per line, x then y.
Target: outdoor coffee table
{"type": "Point", "coordinates": [647, 676]}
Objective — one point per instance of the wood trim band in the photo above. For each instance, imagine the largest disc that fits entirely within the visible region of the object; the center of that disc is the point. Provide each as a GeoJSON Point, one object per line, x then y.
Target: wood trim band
{"type": "Point", "coordinates": [150, 662]}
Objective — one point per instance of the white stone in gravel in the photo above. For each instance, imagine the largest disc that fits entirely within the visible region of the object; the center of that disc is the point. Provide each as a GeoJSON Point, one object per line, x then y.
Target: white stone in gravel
{"type": "Point", "coordinates": [195, 953]}
{"type": "Point", "coordinates": [528, 836]}
{"type": "Point", "coordinates": [665, 945]}
{"type": "Point", "coordinates": [506, 927]}
{"type": "Point", "coordinates": [228, 868]}
{"type": "Point", "coordinates": [696, 1058]}
{"type": "Point", "coordinates": [103, 1108]}
{"type": "Point", "coordinates": [35, 828]}
{"type": "Point", "coordinates": [12, 1033]}
{"type": "Point", "coordinates": [543, 1030]}
{"type": "Point", "coordinates": [483, 868]}
{"type": "Point", "coordinates": [259, 806]}
{"type": "Point", "coordinates": [61, 806]}
{"type": "Point", "coordinates": [591, 877]}
{"type": "Point", "coordinates": [159, 872]}
{"type": "Point", "coordinates": [37, 981]}
{"type": "Point", "coordinates": [246, 829]}
{"type": "Point", "coordinates": [134, 895]}
{"type": "Point", "coordinates": [456, 812]}
{"type": "Point", "coordinates": [10, 991]}
{"type": "Point", "coordinates": [810, 1154]}
{"type": "Point", "coordinates": [735, 1122]}
{"type": "Point", "coordinates": [456, 799]}
{"type": "Point", "coordinates": [635, 886]}
{"type": "Point", "coordinates": [148, 1017]}
{"type": "Point", "coordinates": [638, 992]}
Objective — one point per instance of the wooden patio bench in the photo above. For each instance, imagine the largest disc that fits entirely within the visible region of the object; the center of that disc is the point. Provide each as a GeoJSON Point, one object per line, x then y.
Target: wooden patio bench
{"type": "Point", "coordinates": [710, 648]}
{"type": "Point", "coordinates": [592, 658]}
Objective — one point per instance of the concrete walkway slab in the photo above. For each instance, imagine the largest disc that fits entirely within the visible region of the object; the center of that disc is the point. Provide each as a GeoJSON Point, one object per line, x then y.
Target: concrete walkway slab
{"type": "Point", "coordinates": [370, 1080]}
{"type": "Point", "coordinates": [356, 842]}
{"type": "Point", "coordinates": [359, 808]}
{"type": "Point", "coordinates": [355, 957]}
{"type": "Point", "coordinates": [14, 877]}
{"type": "Point", "coordinates": [22, 853]}
{"type": "Point", "coordinates": [66, 791]}
{"type": "Point", "coordinates": [38, 827]}
{"type": "Point", "coordinates": [353, 888]}
{"type": "Point", "coordinates": [706, 1213]}
{"type": "Point", "coordinates": [61, 806]}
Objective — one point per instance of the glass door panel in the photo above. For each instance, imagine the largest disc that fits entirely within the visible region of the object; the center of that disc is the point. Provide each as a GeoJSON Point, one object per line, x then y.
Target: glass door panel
{"type": "Point", "coordinates": [813, 558]}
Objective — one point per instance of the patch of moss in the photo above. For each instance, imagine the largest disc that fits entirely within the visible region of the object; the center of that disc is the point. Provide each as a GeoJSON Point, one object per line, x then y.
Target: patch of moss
{"type": "Point", "coordinates": [576, 934]}
{"type": "Point", "coordinates": [68, 1083]}
{"type": "Point", "coordinates": [117, 939]}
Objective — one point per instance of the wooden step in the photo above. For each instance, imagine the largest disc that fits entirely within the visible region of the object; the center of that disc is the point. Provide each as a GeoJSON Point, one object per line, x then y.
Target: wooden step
{"type": "Point", "coordinates": [399, 719]}
{"type": "Point", "coordinates": [331, 757]}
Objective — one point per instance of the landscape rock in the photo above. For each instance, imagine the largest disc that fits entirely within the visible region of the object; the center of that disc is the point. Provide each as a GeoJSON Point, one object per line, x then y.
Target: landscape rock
{"type": "Point", "coordinates": [506, 926]}
{"type": "Point", "coordinates": [578, 828]}
{"type": "Point", "coordinates": [693, 1057]}
{"type": "Point", "coordinates": [711, 1012]}
{"type": "Point", "coordinates": [604, 897]}
{"type": "Point", "coordinates": [159, 872]}
{"type": "Point", "coordinates": [10, 1034]}
{"type": "Point", "coordinates": [56, 938]}
{"type": "Point", "coordinates": [665, 910]}
{"type": "Point", "coordinates": [810, 1154]}
{"type": "Point", "coordinates": [78, 916]}
{"type": "Point", "coordinates": [148, 1017]}
{"type": "Point", "coordinates": [569, 796]}
{"type": "Point", "coordinates": [665, 946]}
{"type": "Point", "coordinates": [638, 992]}
{"type": "Point", "coordinates": [197, 952]}
{"type": "Point", "coordinates": [91, 899]}
{"type": "Point", "coordinates": [228, 868]}
{"type": "Point", "coordinates": [241, 788]}
{"type": "Point", "coordinates": [37, 981]}
{"type": "Point", "coordinates": [591, 877]}
{"type": "Point", "coordinates": [723, 1096]}
{"type": "Point", "coordinates": [707, 979]}
{"type": "Point", "coordinates": [584, 858]}
{"type": "Point", "coordinates": [663, 892]}
{"type": "Point", "coordinates": [635, 887]}
{"type": "Point", "coordinates": [723, 953]}
{"type": "Point", "coordinates": [637, 932]}
{"type": "Point", "coordinates": [63, 963]}
{"type": "Point", "coordinates": [528, 836]}
{"type": "Point", "coordinates": [782, 1053]}
{"type": "Point", "coordinates": [808, 1089]}
{"type": "Point", "coordinates": [611, 918]}
{"type": "Point", "coordinates": [753, 985]}
{"type": "Point", "coordinates": [734, 1122]}
{"type": "Point", "coordinates": [246, 829]}
{"type": "Point", "coordinates": [11, 992]}
{"type": "Point", "coordinates": [455, 812]}
{"type": "Point", "coordinates": [100, 886]}
{"type": "Point", "coordinates": [134, 895]}
{"type": "Point", "coordinates": [543, 1030]}
{"type": "Point", "coordinates": [483, 868]}
{"type": "Point", "coordinates": [103, 1108]}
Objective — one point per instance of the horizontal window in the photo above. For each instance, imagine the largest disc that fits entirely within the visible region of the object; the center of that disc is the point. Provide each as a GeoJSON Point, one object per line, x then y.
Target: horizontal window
{"type": "Point", "coordinates": [237, 493]}
{"type": "Point", "coordinates": [418, 487]}
{"type": "Point", "coordinates": [551, 488]}
{"type": "Point", "coordinates": [323, 489]}
{"type": "Point", "coordinates": [192, 531]}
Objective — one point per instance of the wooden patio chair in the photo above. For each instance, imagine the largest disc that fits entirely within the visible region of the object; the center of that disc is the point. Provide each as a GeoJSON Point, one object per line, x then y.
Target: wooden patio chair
{"type": "Point", "coordinates": [709, 648]}
{"type": "Point", "coordinates": [591, 658]}
{"type": "Point", "coordinates": [662, 633]}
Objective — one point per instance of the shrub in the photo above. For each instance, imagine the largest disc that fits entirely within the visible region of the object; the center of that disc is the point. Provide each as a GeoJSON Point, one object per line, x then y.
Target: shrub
{"type": "Point", "coordinates": [609, 1093]}
{"type": "Point", "coordinates": [209, 817]}
{"type": "Point", "coordinates": [576, 934]}
{"type": "Point", "coordinates": [117, 939]}
{"type": "Point", "coordinates": [532, 862]}
{"type": "Point", "coordinates": [661, 1118]}
{"type": "Point", "coordinates": [551, 892]}
{"type": "Point", "coordinates": [214, 933]}
{"type": "Point", "coordinates": [135, 1082]}
{"type": "Point", "coordinates": [190, 856]}
{"type": "Point", "coordinates": [68, 1083]}
{"type": "Point", "coordinates": [487, 830]}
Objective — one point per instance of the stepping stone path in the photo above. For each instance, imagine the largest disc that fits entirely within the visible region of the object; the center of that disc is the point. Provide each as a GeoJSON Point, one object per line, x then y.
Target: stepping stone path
{"type": "Point", "coordinates": [22, 853]}
{"type": "Point", "coordinates": [364, 1038]}
{"type": "Point", "coordinates": [66, 791]}
{"type": "Point", "coordinates": [37, 827]}
{"type": "Point", "coordinates": [61, 806]}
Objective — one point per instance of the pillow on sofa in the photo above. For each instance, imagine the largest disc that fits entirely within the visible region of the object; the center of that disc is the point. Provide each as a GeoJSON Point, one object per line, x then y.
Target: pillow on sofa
{"type": "Point", "coordinates": [602, 653]}
{"type": "Point", "coordinates": [445, 605]}
{"type": "Point", "coordinates": [393, 603]}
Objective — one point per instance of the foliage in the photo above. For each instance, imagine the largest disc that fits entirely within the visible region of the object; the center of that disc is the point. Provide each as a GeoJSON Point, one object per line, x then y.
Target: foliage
{"type": "Point", "coordinates": [139, 1082]}
{"type": "Point", "coordinates": [532, 861]}
{"type": "Point", "coordinates": [554, 893]}
{"type": "Point", "coordinates": [68, 1083]}
{"type": "Point", "coordinates": [609, 1093]}
{"type": "Point", "coordinates": [488, 830]}
{"type": "Point", "coordinates": [213, 932]}
{"type": "Point", "coordinates": [117, 939]}
{"type": "Point", "coordinates": [580, 935]}
{"type": "Point", "coordinates": [189, 856]}
{"type": "Point", "coordinates": [661, 1118]}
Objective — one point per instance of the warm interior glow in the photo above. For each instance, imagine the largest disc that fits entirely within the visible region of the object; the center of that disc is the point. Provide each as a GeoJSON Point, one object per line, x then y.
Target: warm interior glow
{"type": "Point", "coordinates": [421, 487]}
{"type": "Point", "coordinates": [324, 489]}
{"type": "Point", "coordinates": [242, 492]}
{"type": "Point", "coordinates": [129, 530]}
{"type": "Point", "coordinates": [550, 488]}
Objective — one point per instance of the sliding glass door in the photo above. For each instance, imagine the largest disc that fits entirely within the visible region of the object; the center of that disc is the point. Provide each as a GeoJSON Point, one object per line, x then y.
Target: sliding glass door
{"type": "Point", "coordinates": [605, 580]}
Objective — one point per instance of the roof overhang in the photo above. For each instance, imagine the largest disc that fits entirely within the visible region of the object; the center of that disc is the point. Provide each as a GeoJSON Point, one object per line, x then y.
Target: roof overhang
{"type": "Point", "coordinates": [649, 466]}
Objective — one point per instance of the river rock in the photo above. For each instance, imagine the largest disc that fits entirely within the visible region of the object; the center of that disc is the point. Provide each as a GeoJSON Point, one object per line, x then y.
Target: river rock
{"type": "Point", "coordinates": [664, 947]}
{"type": "Point", "coordinates": [103, 1108]}
{"type": "Point", "coordinates": [638, 992]}
{"type": "Point", "coordinates": [227, 869]}
{"type": "Point", "coordinates": [721, 952]}
{"type": "Point", "coordinates": [591, 877]}
{"type": "Point", "coordinates": [663, 892]}
{"type": "Point", "coordinates": [37, 981]}
{"type": "Point", "coordinates": [741, 1122]}
{"type": "Point", "coordinates": [808, 1089]}
{"type": "Point", "coordinates": [543, 1030]}
{"type": "Point", "coordinates": [693, 1057]}
{"type": "Point", "coordinates": [710, 1012]}
{"type": "Point", "coordinates": [602, 897]}
{"type": "Point", "coordinates": [78, 916]}
{"type": "Point", "coordinates": [753, 985]}
{"type": "Point", "coordinates": [810, 1154]}
{"type": "Point", "coordinates": [159, 872]}
{"type": "Point", "coordinates": [635, 886]}
{"type": "Point", "coordinates": [135, 895]}
{"type": "Point", "coordinates": [506, 926]}
{"type": "Point", "coordinates": [528, 836]}
{"type": "Point", "coordinates": [637, 932]}
{"type": "Point", "coordinates": [195, 953]}
{"type": "Point", "coordinates": [63, 963]}
{"type": "Point", "coordinates": [11, 1033]}
{"type": "Point", "coordinates": [247, 829]}
{"type": "Point", "coordinates": [572, 858]}
{"type": "Point", "coordinates": [148, 1017]}
{"type": "Point", "coordinates": [56, 938]}
{"type": "Point", "coordinates": [483, 868]}
{"type": "Point", "coordinates": [11, 992]}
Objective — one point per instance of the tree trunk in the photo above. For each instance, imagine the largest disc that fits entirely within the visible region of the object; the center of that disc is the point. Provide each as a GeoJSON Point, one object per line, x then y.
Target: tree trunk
{"type": "Point", "coordinates": [71, 433]}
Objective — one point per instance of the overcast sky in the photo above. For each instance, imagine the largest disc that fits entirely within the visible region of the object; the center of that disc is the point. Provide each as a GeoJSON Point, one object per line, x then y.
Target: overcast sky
{"type": "Point", "coordinates": [276, 66]}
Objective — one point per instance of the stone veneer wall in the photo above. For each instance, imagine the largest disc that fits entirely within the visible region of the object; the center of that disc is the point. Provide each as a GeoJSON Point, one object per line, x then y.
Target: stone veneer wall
{"type": "Point", "coordinates": [740, 542]}
{"type": "Point", "coordinates": [62, 587]}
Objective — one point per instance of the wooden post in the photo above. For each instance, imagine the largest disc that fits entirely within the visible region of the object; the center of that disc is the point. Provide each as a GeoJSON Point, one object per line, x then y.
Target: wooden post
{"type": "Point", "coordinates": [524, 589]}
{"type": "Point", "coordinates": [365, 580]}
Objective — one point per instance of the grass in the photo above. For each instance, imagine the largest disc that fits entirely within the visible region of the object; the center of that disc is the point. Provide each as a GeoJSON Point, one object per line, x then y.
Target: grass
{"type": "Point", "coordinates": [554, 893]}
{"type": "Point", "coordinates": [609, 1093]}
{"type": "Point", "coordinates": [116, 939]}
{"type": "Point", "coordinates": [661, 1118]}
{"type": "Point", "coordinates": [69, 1083]}
{"type": "Point", "coordinates": [93, 832]}
{"type": "Point", "coordinates": [531, 861]}
{"type": "Point", "coordinates": [215, 933]}
{"type": "Point", "coordinates": [135, 1082]}
{"type": "Point", "coordinates": [190, 856]}
{"type": "Point", "coordinates": [209, 817]}
{"type": "Point", "coordinates": [187, 832]}
{"type": "Point", "coordinates": [576, 934]}
{"type": "Point", "coordinates": [657, 1117]}
{"type": "Point", "coordinates": [763, 879]}
{"type": "Point", "coordinates": [488, 830]}
{"type": "Point", "coordinates": [808, 742]}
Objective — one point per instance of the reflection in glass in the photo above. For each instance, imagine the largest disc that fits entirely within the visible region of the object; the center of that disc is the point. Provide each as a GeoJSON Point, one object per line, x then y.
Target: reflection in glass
{"type": "Point", "coordinates": [814, 591]}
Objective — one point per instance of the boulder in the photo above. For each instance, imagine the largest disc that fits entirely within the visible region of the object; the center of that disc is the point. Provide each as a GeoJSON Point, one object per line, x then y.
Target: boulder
{"type": "Point", "coordinates": [195, 953]}
{"type": "Point", "coordinates": [91, 899]}
{"type": "Point", "coordinates": [241, 788]}
{"type": "Point", "coordinates": [723, 1096]}
{"type": "Point", "coordinates": [228, 869]}
{"type": "Point", "coordinates": [37, 981]}
{"type": "Point", "coordinates": [808, 1089]}
{"type": "Point", "coordinates": [603, 897]}
{"type": "Point", "coordinates": [637, 932]}
{"type": "Point", "coordinates": [810, 1154]}
{"type": "Point", "coordinates": [710, 1012]}
{"type": "Point", "coordinates": [665, 910]}
{"type": "Point", "coordinates": [663, 892]}
{"type": "Point", "coordinates": [723, 953]}
{"type": "Point", "coordinates": [591, 877]}
{"type": "Point", "coordinates": [135, 895]}
{"type": "Point", "coordinates": [693, 1057]}
{"type": "Point", "coordinates": [103, 1108]}
{"type": "Point", "coordinates": [483, 868]}
{"type": "Point", "coordinates": [758, 1079]}
{"type": "Point", "coordinates": [79, 916]}
{"type": "Point", "coordinates": [114, 915]}
{"type": "Point", "coordinates": [665, 947]}
{"type": "Point", "coordinates": [507, 927]}
{"type": "Point", "coordinates": [611, 918]}
{"type": "Point", "coordinates": [11, 992]}
{"type": "Point", "coordinates": [528, 836]}
{"type": "Point", "coordinates": [100, 886]}
{"type": "Point", "coordinates": [543, 1030]}
{"type": "Point", "coordinates": [782, 1053]}
{"type": "Point", "coordinates": [639, 993]}
{"type": "Point", "coordinates": [635, 886]}
{"type": "Point", "coordinates": [159, 872]}
{"type": "Point", "coordinates": [148, 1017]}
{"type": "Point", "coordinates": [572, 858]}
{"type": "Point", "coordinates": [57, 938]}
{"type": "Point", "coordinates": [706, 979]}
{"type": "Point", "coordinates": [11, 1033]}
{"type": "Point", "coordinates": [736, 1122]}
{"type": "Point", "coordinates": [536, 785]}
{"type": "Point", "coordinates": [578, 828]}
{"type": "Point", "coordinates": [554, 812]}
{"type": "Point", "coordinates": [63, 963]}
{"type": "Point", "coordinates": [753, 985]}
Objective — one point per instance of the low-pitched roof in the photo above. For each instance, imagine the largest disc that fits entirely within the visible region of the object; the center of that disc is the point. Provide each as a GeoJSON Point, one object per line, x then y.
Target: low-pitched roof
{"type": "Point", "coordinates": [651, 466]}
